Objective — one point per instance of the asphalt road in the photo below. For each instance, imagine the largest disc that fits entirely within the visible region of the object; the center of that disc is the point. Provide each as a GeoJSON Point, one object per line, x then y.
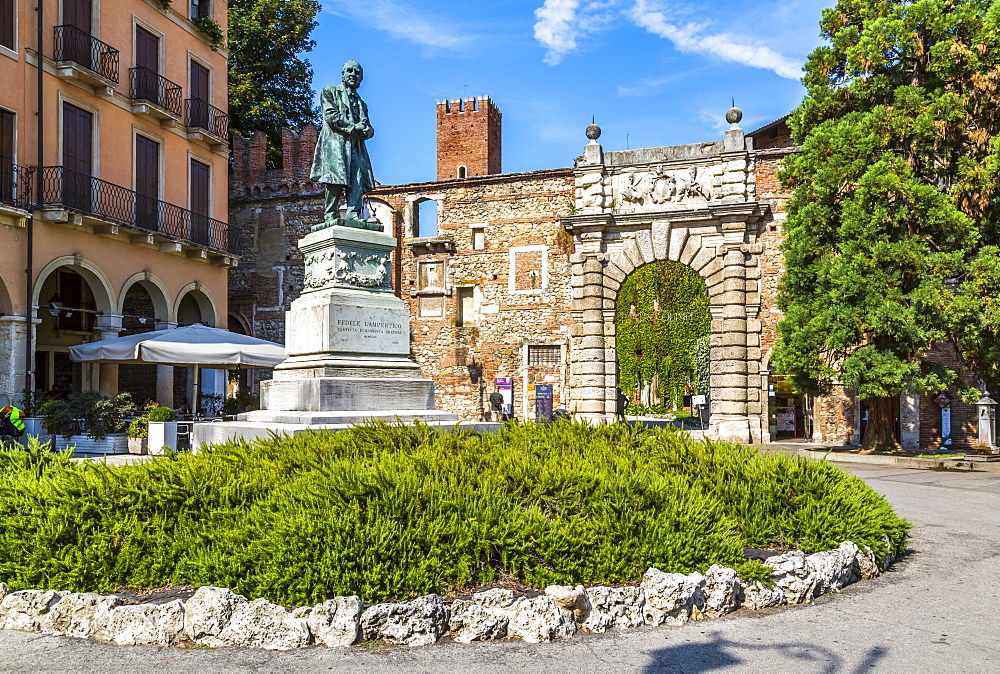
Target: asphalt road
{"type": "Point", "coordinates": [937, 611]}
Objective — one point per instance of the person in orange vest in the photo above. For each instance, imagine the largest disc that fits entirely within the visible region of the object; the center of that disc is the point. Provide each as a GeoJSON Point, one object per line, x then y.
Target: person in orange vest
{"type": "Point", "coordinates": [11, 422]}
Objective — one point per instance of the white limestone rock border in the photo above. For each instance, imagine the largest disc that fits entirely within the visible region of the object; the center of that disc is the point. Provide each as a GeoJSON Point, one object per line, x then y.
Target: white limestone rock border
{"type": "Point", "coordinates": [218, 617]}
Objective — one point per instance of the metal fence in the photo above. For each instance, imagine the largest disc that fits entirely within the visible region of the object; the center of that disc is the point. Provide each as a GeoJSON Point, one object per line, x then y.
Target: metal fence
{"type": "Point", "coordinates": [73, 44]}
{"type": "Point", "coordinates": [15, 183]}
{"type": "Point", "coordinates": [200, 115]}
{"type": "Point", "coordinates": [145, 85]}
{"type": "Point", "coordinates": [65, 188]}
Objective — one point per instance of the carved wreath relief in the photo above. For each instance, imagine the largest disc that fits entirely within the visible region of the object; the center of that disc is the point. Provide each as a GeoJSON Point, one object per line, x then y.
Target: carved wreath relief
{"type": "Point", "coordinates": [656, 187]}
{"type": "Point", "coordinates": [334, 266]}
{"type": "Point", "coordinates": [635, 190]}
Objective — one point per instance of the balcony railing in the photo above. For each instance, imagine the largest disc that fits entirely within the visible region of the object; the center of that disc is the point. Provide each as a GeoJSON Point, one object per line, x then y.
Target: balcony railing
{"type": "Point", "coordinates": [65, 188]}
{"type": "Point", "coordinates": [145, 85]}
{"type": "Point", "coordinates": [201, 115]}
{"type": "Point", "coordinates": [15, 184]}
{"type": "Point", "coordinates": [82, 48]}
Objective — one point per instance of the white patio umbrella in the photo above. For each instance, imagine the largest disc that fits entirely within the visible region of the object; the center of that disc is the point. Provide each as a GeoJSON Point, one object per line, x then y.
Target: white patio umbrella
{"type": "Point", "coordinates": [194, 346]}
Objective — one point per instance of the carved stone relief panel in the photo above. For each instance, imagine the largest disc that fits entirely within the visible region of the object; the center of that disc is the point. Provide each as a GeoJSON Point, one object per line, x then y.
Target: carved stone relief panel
{"type": "Point", "coordinates": [343, 266]}
{"type": "Point", "coordinates": [656, 188]}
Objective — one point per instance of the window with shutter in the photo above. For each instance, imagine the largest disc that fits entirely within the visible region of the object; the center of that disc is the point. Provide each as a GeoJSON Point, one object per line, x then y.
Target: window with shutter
{"type": "Point", "coordinates": [77, 157]}
{"type": "Point", "coordinates": [7, 9]}
{"type": "Point", "coordinates": [147, 183]}
{"type": "Point", "coordinates": [199, 202]}
{"type": "Point", "coordinates": [6, 156]}
{"type": "Point", "coordinates": [147, 63]}
{"type": "Point", "coordinates": [201, 9]}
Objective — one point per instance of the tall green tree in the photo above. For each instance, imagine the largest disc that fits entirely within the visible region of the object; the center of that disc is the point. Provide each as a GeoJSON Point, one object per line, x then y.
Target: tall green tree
{"type": "Point", "coordinates": [270, 84]}
{"type": "Point", "coordinates": [892, 225]}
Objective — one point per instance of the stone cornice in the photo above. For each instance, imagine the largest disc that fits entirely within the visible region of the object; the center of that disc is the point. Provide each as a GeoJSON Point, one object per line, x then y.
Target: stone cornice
{"type": "Point", "coordinates": [701, 213]}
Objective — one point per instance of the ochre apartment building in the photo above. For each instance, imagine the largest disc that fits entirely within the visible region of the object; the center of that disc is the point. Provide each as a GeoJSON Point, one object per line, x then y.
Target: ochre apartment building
{"type": "Point", "coordinates": [113, 178]}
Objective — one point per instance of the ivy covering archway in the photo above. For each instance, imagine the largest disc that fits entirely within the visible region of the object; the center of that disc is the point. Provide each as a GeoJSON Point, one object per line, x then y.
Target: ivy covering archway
{"type": "Point", "coordinates": [662, 334]}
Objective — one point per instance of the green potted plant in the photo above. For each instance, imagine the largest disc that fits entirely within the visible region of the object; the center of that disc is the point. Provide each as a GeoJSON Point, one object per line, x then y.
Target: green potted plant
{"type": "Point", "coordinates": [90, 421]}
{"type": "Point", "coordinates": [31, 404]}
{"type": "Point", "coordinates": [138, 435]}
{"type": "Point", "coordinates": [162, 429]}
{"type": "Point", "coordinates": [243, 401]}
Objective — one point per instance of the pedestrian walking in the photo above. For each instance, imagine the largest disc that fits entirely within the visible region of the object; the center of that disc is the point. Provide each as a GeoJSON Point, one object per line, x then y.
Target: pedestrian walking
{"type": "Point", "coordinates": [621, 402]}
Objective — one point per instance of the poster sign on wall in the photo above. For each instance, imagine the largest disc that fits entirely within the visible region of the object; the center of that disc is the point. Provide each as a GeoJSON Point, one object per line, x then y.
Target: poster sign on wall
{"type": "Point", "coordinates": [785, 419]}
{"type": "Point", "coordinates": [543, 402]}
{"type": "Point", "coordinates": [944, 402]}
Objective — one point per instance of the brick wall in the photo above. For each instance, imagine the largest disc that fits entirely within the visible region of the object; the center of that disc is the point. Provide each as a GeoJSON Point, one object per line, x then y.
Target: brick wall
{"type": "Point", "coordinates": [274, 208]}
{"type": "Point", "coordinates": [469, 135]}
{"type": "Point", "coordinates": [964, 424]}
{"type": "Point", "coordinates": [769, 191]}
{"type": "Point", "coordinates": [514, 211]}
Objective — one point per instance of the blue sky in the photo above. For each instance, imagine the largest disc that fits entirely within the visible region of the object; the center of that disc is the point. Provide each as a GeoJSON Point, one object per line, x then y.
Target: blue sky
{"type": "Point", "coordinates": [652, 72]}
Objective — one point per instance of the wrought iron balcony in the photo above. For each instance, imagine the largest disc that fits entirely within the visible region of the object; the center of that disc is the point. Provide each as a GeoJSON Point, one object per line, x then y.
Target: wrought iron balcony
{"type": "Point", "coordinates": [200, 115]}
{"type": "Point", "coordinates": [145, 85]}
{"type": "Point", "coordinates": [15, 184]}
{"type": "Point", "coordinates": [65, 188]}
{"type": "Point", "coordinates": [77, 46]}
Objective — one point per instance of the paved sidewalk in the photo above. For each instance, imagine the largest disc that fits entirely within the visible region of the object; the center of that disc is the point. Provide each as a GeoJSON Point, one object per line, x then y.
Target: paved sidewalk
{"type": "Point", "coordinates": [831, 453]}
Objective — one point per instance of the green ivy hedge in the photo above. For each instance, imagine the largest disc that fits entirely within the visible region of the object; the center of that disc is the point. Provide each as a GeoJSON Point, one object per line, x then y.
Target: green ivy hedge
{"type": "Point", "coordinates": [384, 511]}
{"type": "Point", "coordinates": [661, 315]}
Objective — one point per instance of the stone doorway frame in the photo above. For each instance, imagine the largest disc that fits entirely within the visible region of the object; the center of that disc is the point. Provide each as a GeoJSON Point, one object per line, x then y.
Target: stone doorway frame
{"type": "Point", "coordinates": [718, 241]}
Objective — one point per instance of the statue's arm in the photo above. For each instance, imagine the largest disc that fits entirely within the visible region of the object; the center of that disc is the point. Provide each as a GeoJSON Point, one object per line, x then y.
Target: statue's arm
{"type": "Point", "coordinates": [333, 114]}
{"type": "Point", "coordinates": [365, 127]}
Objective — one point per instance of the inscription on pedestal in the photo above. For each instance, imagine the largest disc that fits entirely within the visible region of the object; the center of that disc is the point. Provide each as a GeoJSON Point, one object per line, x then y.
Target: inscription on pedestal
{"type": "Point", "coordinates": [335, 325]}
{"type": "Point", "coordinates": [370, 329]}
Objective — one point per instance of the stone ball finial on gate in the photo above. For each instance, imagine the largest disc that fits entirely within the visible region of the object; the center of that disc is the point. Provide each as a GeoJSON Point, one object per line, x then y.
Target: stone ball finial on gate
{"type": "Point", "coordinates": [593, 132]}
{"type": "Point", "coordinates": [734, 115]}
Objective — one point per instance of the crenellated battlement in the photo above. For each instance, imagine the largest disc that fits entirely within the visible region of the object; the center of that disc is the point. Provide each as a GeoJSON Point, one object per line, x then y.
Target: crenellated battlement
{"type": "Point", "coordinates": [471, 104]}
{"type": "Point", "coordinates": [469, 137]}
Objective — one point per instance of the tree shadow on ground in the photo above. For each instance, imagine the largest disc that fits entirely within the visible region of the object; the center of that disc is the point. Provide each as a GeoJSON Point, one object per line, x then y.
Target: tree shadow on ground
{"type": "Point", "coordinates": [719, 653]}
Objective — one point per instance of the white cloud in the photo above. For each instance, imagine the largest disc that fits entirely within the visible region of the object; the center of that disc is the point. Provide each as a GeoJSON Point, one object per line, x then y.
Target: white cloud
{"type": "Point", "coordinates": [652, 85]}
{"type": "Point", "coordinates": [562, 25]}
{"type": "Point", "coordinates": [403, 22]}
{"type": "Point", "coordinates": [692, 37]}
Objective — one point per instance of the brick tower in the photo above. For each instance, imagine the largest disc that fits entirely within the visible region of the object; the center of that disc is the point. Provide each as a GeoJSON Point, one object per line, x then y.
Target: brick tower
{"type": "Point", "coordinates": [468, 135]}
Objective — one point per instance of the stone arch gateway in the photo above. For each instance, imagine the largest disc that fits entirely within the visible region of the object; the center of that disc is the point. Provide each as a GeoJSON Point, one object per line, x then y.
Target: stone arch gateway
{"type": "Point", "coordinates": [693, 204]}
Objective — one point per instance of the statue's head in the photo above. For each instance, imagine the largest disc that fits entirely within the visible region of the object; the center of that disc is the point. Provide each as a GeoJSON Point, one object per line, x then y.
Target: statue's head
{"type": "Point", "coordinates": [352, 74]}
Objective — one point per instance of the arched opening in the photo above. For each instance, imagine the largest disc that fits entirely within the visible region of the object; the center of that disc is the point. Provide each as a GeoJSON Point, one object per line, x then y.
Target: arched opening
{"type": "Point", "coordinates": [140, 313]}
{"type": "Point", "coordinates": [196, 306]}
{"type": "Point", "coordinates": [426, 216]}
{"type": "Point", "coordinates": [71, 300]}
{"type": "Point", "coordinates": [378, 210]}
{"type": "Point", "coordinates": [6, 305]}
{"type": "Point", "coordinates": [10, 367]}
{"type": "Point", "coordinates": [662, 338]}
{"type": "Point", "coordinates": [462, 172]}
{"type": "Point", "coordinates": [240, 383]}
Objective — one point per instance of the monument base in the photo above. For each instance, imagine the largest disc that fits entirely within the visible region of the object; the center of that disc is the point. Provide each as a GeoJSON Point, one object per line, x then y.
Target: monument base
{"type": "Point", "coordinates": [348, 344]}
{"type": "Point", "coordinates": [348, 394]}
{"type": "Point", "coordinates": [265, 423]}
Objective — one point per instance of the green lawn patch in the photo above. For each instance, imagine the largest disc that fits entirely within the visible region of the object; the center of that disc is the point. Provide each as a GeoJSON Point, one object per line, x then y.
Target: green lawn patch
{"type": "Point", "coordinates": [393, 512]}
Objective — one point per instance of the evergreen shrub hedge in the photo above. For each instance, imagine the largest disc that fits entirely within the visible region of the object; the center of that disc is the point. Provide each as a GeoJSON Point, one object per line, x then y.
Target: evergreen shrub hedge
{"type": "Point", "coordinates": [391, 512]}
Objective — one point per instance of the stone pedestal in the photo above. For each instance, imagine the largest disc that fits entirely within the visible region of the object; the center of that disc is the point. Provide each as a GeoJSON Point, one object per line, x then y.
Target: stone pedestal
{"type": "Point", "coordinates": [347, 340]}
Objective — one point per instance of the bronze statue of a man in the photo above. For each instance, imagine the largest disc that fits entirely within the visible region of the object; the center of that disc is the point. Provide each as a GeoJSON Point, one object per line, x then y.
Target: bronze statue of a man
{"type": "Point", "coordinates": [341, 161]}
